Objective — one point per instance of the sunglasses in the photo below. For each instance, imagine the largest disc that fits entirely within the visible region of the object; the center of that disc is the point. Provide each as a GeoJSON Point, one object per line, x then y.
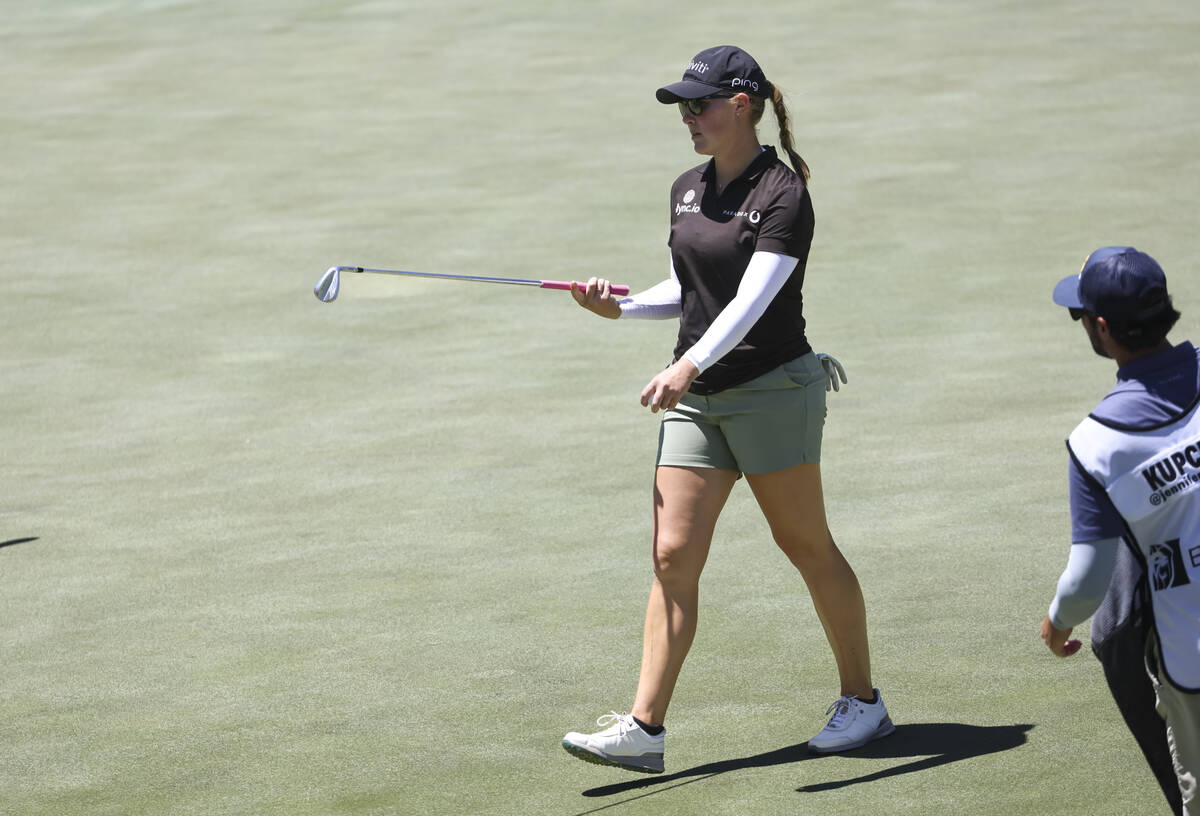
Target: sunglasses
{"type": "Point", "coordinates": [695, 107]}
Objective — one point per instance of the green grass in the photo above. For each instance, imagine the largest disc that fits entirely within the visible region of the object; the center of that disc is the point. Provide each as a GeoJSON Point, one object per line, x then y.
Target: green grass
{"type": "Point", "coordinates": [376, 557]}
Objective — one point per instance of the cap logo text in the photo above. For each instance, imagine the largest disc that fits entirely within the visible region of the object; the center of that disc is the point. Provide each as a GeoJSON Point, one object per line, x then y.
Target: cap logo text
{"type": "Point", "coordinates": [738, 82]}
{"type": "Point", "coordinates": [698, 67]}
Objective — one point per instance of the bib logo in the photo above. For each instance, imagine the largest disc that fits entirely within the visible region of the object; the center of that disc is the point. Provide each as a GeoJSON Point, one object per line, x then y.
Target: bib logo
{"type": "Point", "coordinates": [1166, 566]}
{"type": "Point", "coordinates": [755, 216]}
{"type": "Point", "coordinates": [739, 82]}
{"type": "Point", "coordinates": [687, 206]}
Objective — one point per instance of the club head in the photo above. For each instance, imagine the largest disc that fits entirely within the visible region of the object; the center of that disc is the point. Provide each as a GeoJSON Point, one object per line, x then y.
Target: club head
{"type": "Point", "coordinates": [327, 287]}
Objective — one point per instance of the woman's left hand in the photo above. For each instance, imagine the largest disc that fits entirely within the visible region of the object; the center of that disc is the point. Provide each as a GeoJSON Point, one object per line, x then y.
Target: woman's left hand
{"type": "Point", "coordinates": [669, 385]}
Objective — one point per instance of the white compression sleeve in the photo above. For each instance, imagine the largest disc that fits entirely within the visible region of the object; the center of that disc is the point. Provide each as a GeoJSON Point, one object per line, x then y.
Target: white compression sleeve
{"type": "Point", "coordinates": [765, 275]}
{"type": "Point", "coordinates": [659, 302]}
{"type": "Point", "coordinates": [1084, 582]}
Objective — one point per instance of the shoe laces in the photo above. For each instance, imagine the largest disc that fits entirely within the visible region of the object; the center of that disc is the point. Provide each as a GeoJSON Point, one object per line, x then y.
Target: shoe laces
{"type": "Point", "coordinates": [622, 720]}
{"type": "Point", "coordinates": [839, 708]}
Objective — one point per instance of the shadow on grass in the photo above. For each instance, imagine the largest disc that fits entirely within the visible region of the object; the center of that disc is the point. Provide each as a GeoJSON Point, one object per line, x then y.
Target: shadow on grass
{"type": "Point", "coordinates": [933, 744]}
{"type": "Point", "coordinates": [17, 541]}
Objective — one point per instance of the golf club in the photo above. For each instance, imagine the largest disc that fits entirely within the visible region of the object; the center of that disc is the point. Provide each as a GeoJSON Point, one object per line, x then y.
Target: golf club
{"type": "Point", "coordinates": [327, 287]}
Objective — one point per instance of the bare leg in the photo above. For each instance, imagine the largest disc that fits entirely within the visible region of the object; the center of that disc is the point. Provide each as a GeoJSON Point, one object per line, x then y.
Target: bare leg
{"type": "Point", "coordinates": [794, 505]}
{"type": "Point", "coordinates": [687, 502]}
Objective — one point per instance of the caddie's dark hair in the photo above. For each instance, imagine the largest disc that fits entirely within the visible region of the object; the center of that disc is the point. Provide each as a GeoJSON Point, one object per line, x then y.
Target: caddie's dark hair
{"type": "Point", "coordinates": [757, 106]}
{"type": "Point", "coordinates": [1140, 335]}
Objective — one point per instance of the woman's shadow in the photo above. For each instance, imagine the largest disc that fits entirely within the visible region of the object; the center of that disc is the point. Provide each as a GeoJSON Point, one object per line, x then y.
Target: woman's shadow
{"type": "Point", "coordinates": [931, 744]}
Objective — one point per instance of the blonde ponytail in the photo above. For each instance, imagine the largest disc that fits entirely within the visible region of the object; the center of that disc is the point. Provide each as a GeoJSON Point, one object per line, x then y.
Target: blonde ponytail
{"type": "Point", "coordinates": [785, 134]}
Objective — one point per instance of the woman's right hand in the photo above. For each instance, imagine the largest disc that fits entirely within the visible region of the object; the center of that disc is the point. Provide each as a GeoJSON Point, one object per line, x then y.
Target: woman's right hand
{"type": "Point", "coordinates": [597, 297]}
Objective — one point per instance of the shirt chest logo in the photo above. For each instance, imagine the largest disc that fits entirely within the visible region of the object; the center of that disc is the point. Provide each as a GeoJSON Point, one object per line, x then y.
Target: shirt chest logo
{"type": "Point", "coordinates": [753, 216]}
{"type": "Point", "coordinates": [687, 206]}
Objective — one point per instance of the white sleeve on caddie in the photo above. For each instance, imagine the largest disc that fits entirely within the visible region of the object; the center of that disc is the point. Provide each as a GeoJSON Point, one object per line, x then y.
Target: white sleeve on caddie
{"type": "Point", "coordinates": [659, 302]}
{"type": "Point", "coordinates": [1084, 582]}
{"type": "Point", "coordinates": [765, 275]}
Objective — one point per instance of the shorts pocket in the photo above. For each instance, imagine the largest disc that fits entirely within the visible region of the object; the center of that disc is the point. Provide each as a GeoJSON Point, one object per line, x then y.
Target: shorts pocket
{"type": "Point", "coordinates": [805, 371]}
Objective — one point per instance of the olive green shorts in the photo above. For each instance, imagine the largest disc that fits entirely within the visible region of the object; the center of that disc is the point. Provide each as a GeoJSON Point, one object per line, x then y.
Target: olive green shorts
{"type": "Point", "coordinates": [769, 423]}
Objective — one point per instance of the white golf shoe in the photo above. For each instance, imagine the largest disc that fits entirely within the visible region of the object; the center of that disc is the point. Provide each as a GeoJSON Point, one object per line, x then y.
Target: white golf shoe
{"type": "Point", "coordinates": [623, 744]}
{"type": "Point", "coordinates": [853, 724]}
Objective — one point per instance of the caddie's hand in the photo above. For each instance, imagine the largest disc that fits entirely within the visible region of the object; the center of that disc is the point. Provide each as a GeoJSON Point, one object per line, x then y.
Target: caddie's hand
{"type": "Point", "coordinates": [597, 297]}
{"type": "Point", "coordinates": [669, 385]}
{"type": "Point", "coordinates": [833, 370]}
{"type": "Point", "coordinates": [1056, 639]}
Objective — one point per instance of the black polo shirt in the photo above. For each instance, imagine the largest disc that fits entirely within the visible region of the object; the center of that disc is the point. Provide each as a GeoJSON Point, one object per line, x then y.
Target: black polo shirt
{"type": "Point", "coordinates": [768, 209]}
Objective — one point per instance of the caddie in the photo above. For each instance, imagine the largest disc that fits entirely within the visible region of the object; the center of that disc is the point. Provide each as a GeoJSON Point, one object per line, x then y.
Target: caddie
{"type": "Point", "coordinates": [1135, 478]}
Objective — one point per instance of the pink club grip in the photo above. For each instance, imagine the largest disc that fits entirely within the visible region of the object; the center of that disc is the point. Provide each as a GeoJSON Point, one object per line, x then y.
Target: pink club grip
{"type": "Point", "coordinates": [616, 288]}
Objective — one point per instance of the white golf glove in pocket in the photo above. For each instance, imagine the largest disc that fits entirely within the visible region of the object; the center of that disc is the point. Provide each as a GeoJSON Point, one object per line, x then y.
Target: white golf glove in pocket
{"type": "Point", "coordinates": [833, 370]}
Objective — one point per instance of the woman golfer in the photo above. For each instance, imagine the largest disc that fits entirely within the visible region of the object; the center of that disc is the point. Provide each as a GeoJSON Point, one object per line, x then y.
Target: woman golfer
{"type": "Point", "coordinates": [745, 395]}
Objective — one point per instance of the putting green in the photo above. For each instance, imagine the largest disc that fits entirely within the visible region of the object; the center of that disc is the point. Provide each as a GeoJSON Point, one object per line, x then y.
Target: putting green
{"type": "Point", "coordinates": [272, 556]}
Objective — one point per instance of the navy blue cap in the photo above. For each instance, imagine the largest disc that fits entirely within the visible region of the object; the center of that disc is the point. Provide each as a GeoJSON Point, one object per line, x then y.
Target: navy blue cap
{"type": "Point", "coordinates": [1117, 283]}
{"type": "Point", "coordinates": [720, 69]}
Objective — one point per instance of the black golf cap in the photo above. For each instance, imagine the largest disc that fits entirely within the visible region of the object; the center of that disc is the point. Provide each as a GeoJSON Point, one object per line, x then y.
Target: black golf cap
{"type": "Point", "coordinates": [720, 69]}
